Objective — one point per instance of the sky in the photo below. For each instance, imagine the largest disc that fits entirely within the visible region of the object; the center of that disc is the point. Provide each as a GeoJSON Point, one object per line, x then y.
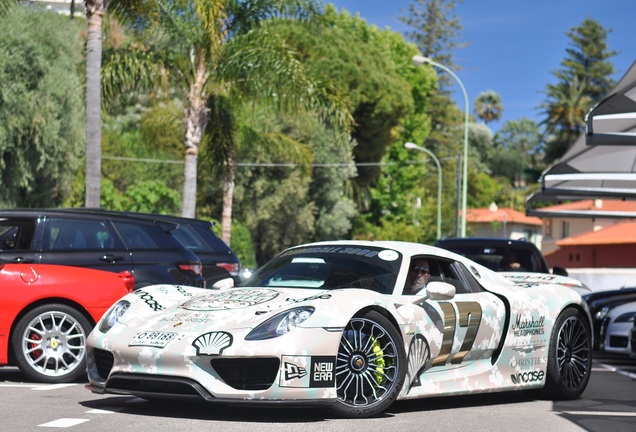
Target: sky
{"type": "Point", "coordinates": [514, 45]}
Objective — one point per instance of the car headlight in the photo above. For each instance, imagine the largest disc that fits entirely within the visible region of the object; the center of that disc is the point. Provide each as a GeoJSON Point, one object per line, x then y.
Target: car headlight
{"type": "Point", "coordinates": [280, 324]}
{"type": "Point", "coordinates": [602, 313]}
{"type": "Point", "coordinates": [113, 315]}
{"type": "Point", "coordinates": [626, 317]}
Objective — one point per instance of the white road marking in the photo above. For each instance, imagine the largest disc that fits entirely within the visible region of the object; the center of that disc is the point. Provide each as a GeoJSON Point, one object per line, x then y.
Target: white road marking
{"type": "Point", "coordinates": [103, 411]}
{"type": "Point", "coordinates": [601, 413]}
{"type": "Point", "coordinates": [52, 387]}
{"type": "Point", "coordinates": [618, 371]}
{"type": "Point", "coordinates": [64, 422]}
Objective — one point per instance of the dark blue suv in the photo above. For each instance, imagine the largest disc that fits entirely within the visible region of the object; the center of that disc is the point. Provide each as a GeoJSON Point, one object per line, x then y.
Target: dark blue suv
{"type": "Point", "coordinates": [109, 241]}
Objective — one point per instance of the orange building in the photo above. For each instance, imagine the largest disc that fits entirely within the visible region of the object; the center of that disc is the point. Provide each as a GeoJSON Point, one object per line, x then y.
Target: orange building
{"type": "Point", "coordinates": [610, 246]}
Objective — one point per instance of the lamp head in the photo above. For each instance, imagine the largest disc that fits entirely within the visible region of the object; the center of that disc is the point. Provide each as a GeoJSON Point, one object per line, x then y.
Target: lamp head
{"type": "Point", "coordinates": [410, 145]}
{"type": "Point", "coordinates": [420, 60]}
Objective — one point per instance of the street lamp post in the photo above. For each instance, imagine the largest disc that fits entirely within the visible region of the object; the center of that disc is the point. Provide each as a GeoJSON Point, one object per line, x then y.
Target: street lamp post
{"type": "Point", "coordinates": [420, 60]}
{"type": "Point", "coordinates": [411, 146]}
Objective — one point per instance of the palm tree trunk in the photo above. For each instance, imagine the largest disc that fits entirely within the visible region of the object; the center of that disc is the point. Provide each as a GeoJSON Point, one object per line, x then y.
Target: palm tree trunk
{"type": "Point", "coordinates": [95, 10]}
{"type": "Point", "coordinates": [228, 197]}
{"type": "Point", "coordinates": [196, 119]}
{"type": "Point", "coordinates": [188, 203]}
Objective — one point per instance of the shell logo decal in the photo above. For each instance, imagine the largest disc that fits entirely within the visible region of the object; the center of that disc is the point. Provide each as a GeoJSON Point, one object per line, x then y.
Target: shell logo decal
{"type": "Point", "coordinates": [212, 343]}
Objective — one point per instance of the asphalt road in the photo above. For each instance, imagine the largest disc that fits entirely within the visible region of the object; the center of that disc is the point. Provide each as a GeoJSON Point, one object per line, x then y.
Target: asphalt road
{"type": "Point", "coordinates": [608, 404]}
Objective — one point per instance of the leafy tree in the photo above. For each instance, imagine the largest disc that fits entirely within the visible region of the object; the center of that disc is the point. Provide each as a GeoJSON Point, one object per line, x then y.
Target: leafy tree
{"type": "Point", "coordinates": [363, 64]}
{"type": "Point", "coordinates": [40, 107]}
{"type": "Point", "coordinates": [584, 78]}
{"type": "Point", "coordinates": [277, 151]}
{"type": "Point", "coordinates": [518, 153]}
{"type": "Point", "coordinates": [436, 31]}
{"type": "Point", "coordinates": [209, 54]}
{"type": "Point", "coordinates": [488, 106]}
{"type": "Point", "coordinates": [6, 5]}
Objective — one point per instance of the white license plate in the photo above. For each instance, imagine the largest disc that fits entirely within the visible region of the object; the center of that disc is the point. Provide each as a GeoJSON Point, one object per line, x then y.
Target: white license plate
{"type": "Point", "coordinates": [152, 339]}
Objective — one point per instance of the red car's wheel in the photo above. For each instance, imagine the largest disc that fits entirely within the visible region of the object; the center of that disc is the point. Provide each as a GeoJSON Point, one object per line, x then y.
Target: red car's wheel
{"type": "Point", "coordinates": [370, 366]}
{"type": "Point", "coordinates": [49, 343]}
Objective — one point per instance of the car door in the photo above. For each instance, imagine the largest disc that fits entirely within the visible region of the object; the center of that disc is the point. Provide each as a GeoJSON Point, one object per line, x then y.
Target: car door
{"type": "Point", "coordinates": [471, 322]}
{"type": "Point", "coordinates": [157, 256]}
{"type": "Point", "coordinates": [83, 242]}
{"type": "Point", "coordinates": [17, 236]}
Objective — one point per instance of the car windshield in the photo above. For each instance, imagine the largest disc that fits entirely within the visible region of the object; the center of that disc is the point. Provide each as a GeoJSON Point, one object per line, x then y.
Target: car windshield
{"type": "Point", "coordinates": [331, 267]}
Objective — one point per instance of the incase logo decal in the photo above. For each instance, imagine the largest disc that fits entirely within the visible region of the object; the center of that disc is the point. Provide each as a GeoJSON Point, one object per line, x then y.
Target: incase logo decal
{"type": "Point", "coordinates": [526, 377]}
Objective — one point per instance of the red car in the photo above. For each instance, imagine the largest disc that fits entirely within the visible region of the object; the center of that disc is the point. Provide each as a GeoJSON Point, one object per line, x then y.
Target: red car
{"type": "Point", "coordinates": [47, 312]}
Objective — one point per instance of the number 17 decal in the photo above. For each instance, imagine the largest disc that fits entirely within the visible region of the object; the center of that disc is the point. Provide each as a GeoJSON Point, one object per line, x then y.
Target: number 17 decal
{"type": "Point", "coordinates": [470, 317]}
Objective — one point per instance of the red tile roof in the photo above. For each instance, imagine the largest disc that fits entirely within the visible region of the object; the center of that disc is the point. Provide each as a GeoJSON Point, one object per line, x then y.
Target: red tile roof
{"type": "Point", "coordinates": [484, 215]}
{"type": "Point", "coordinates": [600, 204]}
{"type": "Point", "coordinates": [620, 233]}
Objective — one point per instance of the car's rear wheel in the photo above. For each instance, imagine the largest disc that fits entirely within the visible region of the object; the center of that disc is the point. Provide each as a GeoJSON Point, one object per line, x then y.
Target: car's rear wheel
{"type": "Point", "coordinates": [49, 343]}
{"type": "Point", "coordinates": [370, 367]}
{"type": "Point", "coordinates": [570, 356]}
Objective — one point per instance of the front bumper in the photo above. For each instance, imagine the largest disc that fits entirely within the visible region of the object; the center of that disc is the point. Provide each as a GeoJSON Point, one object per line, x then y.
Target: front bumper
{"type": "Point", "coordinates": [297, 367]}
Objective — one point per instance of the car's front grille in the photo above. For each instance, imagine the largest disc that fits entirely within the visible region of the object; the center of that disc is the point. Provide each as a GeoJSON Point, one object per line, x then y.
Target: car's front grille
{"type": "Point", "coordinates": [247, 373]}
{"type": "Point", "coordinates": [103, 361]}
{"type": "Point", "coordinates": [618, 341]}
{"type": "Point", "coordinates": [144, 384]}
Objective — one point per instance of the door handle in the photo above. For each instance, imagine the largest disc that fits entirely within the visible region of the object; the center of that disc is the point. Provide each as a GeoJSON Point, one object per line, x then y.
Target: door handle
{"type": "Point", "coordinates": [23, 260]}
{"type": "Point", "coordinates": [111, 258]}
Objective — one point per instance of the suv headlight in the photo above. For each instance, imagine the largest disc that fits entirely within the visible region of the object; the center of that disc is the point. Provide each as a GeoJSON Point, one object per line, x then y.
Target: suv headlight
{"type": "Point", "coordinates": [626, 317]}
{"type": "Point", "coordinates": [113, 315]}
{"type": "Point", "coordinates": [281, 324]}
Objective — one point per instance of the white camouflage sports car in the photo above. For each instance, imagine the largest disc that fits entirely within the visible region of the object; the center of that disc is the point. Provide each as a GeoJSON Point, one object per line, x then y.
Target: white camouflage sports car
{"type": "Point", "coordinates": [328, 324]}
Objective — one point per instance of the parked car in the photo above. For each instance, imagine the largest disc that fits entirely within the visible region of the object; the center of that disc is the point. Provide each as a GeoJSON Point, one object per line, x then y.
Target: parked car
{"type": "Point", "coordinates": [330, 324]}
{"type": "Point", "coordinates": [632, 341]}
{"type": "Point", "coordinates": [48, 312]}
{"type": "Point", "coordinates": [101, 240]}
{"type": "Point", "coordinates": [197, 236]}
{"type": "Point", "coordinates": [518, 260]}
{"type": "Point", "coordinates": [616, 327]}
{"type": "Point", "coordinates": [601, 302]}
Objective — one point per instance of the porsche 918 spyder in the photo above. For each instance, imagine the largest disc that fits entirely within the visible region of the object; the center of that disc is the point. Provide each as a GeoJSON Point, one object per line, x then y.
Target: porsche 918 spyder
{"type": "Point", "coordinates": [331, 324]}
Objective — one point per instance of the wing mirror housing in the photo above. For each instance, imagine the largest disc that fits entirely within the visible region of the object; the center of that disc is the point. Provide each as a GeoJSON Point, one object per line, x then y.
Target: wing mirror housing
{"type": "Point", "coordinates": [439, 291]}
{"type": "Point", "coordinates": [223, 284]}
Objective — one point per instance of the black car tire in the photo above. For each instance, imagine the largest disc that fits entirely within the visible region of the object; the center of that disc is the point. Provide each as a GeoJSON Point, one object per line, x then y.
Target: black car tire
{"type": "Point", "coordinates": [570, 356]}
{"type": "Point", "coordinates": [49, 343]}
{"type": "Point", "coordinates": [370, 366]}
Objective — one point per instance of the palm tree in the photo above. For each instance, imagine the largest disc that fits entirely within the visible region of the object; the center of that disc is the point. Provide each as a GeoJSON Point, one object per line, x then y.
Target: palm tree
{"type": "Point", "coordinates": [565, 111]}
{"type": "Point", "coordinates": [212, 54]}
{"type": "Point", "coordinates": [488, 106]}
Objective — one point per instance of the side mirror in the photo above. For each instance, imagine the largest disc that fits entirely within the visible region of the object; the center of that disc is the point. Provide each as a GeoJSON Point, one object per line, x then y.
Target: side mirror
{"type": "Point", "coordinates": [439, 291]}
{"type": "Point", "coordinates": [559, 271]}
{"type": "Point", "coordinates": [223, 284]}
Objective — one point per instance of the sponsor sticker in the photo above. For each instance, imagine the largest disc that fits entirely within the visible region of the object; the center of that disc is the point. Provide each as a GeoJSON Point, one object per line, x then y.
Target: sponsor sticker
{"type": "Point", "coordinates": [152, 339]}
{"type": "Point", "coordinates": [308, 371]}
{"type": "Point", "coordinates": [527, 377]}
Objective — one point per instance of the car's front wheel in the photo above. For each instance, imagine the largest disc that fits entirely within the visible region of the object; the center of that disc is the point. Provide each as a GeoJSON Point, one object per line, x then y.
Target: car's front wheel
{"type": "Point", "coordinates": [370, 367]}
{"type": "Point", "coordinates": [49, 343]}
{"type": "Point", "coordinates": [570, 356]}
